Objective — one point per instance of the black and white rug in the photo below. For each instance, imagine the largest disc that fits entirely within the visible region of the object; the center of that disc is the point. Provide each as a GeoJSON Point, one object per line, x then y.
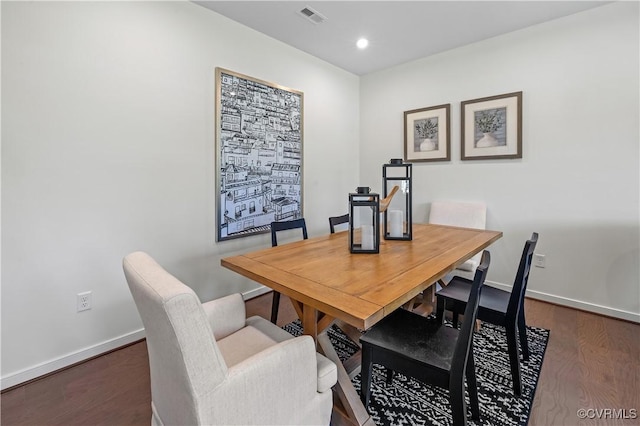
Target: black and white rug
{"type": "Point", "coordinates": [409, 402]}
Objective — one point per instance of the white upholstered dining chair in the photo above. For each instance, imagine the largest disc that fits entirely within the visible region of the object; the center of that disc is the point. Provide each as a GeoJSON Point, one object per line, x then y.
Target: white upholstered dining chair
{"type": "Point", "coordinates": [463, 214]}
{"type": "Point", "coordinates": [210, 364]}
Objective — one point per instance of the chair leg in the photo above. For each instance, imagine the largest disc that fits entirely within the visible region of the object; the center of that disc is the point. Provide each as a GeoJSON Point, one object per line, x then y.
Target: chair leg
{"type": "Point", "coordinates": [454, 319]}
{"type": "Point", "coordinates": [514, 358]}
{"type": "Point", "coordinates": [522, 331]}
{"type": "Point", "coordinates": [389, 376]}
{"type": "Point", "coordinates": [472, 385]}
{"type": "Point", "coordinates": [458, 404]}
{"type": "Point", "coordinates": [365, 376]}
{"type": "Point", "coordinates": [440, 309]}
{"type": "Point", "coordinates": [275, 305]}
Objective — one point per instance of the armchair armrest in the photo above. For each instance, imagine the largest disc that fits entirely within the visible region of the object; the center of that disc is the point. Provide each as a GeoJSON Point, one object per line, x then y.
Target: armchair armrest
{"type": "Point", "coordinates": [226, 315]}
{"type": "Point", "coordinates": [327, 373]}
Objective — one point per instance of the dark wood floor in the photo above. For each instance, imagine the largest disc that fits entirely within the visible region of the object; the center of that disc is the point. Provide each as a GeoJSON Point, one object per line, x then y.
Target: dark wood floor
{"type": "Point", "coordinates": [591, 362]}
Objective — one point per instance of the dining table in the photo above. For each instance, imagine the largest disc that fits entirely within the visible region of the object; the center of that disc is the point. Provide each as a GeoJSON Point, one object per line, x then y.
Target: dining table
{"type": "Point", "coordinates": [327, 285]}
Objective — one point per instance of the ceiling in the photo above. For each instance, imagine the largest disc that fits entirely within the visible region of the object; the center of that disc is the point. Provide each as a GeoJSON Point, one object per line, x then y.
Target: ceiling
{"type": "Point", "coordinates": [398, 31]}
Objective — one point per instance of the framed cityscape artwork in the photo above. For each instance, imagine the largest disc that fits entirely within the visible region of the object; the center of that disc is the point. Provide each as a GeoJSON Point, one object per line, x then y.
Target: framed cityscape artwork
{"type": "Point", "coordinates": [426, 134]}
{"type": "Point", "coordinates": [259, 138]}
{"type": "Point", "coordinates": [492, 127]}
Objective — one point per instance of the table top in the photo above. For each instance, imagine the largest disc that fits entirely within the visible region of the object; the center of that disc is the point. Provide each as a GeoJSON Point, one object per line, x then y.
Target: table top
{"type": "Point", "coordinates": [361, 289]}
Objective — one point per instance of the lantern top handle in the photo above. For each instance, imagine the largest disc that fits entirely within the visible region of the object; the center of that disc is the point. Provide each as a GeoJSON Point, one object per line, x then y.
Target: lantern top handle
{"type": "Point", "coordinates": [384, 203]}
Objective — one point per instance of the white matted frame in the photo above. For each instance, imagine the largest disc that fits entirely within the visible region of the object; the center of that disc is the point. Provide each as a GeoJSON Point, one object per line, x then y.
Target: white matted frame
{"type": "Point", "coordinates": [259, 135]}
{"type": "Point", "coordinates": [491, 127]}
{"type": "Point", "coordinates": [427, 134]}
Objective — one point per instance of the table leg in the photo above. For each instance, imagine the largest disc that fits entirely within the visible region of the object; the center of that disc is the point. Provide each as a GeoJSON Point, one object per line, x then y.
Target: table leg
{"type": "Point", "coordinates": [354, 363]}
{"type": "Point", "coordinates": [310, 322]}
{"type": "Point", "coordinates": [297, 306]}
{"type": "Point", "coordinates": [355, 411]}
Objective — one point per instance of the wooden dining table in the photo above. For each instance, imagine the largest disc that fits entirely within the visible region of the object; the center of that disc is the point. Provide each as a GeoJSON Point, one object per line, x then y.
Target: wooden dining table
{"type": "Point", "coordinates": [328, 284]}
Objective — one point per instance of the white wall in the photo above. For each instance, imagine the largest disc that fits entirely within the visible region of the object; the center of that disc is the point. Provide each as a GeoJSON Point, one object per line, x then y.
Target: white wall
{"type": "Point", "coordinates": [108, 147]}
{"type": "Point", "coordinates": [578, 181]}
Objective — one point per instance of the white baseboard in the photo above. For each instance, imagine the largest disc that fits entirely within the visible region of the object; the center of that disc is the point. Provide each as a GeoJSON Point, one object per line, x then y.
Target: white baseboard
{"type": "Point", "coordinates": [31, 373]}
{"type": "Point", "coordinates": [39, 370]}
{"type": "Point", "coordinates": [573, 303]}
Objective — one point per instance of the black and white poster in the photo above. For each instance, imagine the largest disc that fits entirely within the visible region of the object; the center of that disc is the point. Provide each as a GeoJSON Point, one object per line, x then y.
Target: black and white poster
{"type": "Point", "coordinates": [259, 128]}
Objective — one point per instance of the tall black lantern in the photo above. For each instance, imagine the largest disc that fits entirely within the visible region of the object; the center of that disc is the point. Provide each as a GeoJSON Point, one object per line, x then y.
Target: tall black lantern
{"type": "Point", "coordinates": [364, 221]}
{"type": "Point", "coordinates": [397, 217]}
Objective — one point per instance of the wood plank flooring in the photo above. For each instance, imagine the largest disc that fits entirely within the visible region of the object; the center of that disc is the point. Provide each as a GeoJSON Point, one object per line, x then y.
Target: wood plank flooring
{"type": "Point", "coordinates": [592, 362]}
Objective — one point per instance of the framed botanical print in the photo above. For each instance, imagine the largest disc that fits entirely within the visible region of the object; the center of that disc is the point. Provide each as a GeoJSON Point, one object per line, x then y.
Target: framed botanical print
{"type": "Point", "coordinates": [492, 127]}
{"type": "Point", "coordinates": [426, 134]}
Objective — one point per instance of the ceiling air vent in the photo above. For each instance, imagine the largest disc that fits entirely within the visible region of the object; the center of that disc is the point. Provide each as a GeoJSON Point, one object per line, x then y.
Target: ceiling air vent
{"type": "Point", "coordinates": [313, 15]}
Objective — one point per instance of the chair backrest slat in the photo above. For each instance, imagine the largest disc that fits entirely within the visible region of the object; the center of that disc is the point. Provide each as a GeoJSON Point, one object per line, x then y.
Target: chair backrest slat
{"type": "Point", "coordinates": [283, 226]}
{"type": "Point", "coordinates": [337, 220]}
{"type": "Point", "coordinates": [522, 277]}
{"type": "Point", "coordinates": [463, 345]}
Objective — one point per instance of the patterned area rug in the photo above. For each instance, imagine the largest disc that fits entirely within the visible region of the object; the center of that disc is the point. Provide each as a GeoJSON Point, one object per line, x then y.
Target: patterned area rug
{"type": "Point", "coordinates": [409, 402]}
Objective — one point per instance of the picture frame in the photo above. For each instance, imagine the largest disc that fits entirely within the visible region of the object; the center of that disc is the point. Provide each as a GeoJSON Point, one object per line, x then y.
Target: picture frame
{"type": "Point", "coordinates": [427, 134]}
{"type": "Point", "coordinates": [259, 142]}
{"type": "Point", "coordinates": [491, 127]}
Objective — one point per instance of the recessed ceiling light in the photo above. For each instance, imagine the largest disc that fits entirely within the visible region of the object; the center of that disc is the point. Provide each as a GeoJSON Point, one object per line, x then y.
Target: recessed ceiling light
{"type": "Point", "coordinates": [362, 43]}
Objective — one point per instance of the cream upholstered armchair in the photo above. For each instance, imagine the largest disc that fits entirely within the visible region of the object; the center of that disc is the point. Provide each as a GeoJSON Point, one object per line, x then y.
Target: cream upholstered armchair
{"type": "Point", "coordinates": [210, 365]}
{"type": "Point", "coordinates": [465, 215]}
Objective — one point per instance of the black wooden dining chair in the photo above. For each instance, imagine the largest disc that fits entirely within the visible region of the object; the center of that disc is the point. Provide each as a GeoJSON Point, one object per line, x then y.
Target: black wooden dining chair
{"type": "Point", "coordinates": [337, 220]}
{"type": "Point", "coordinates": [426, 349]}
{"type": "Point", "coordinates": [275, 228]}
{"type": "Point", "coordinates": [497, 307]}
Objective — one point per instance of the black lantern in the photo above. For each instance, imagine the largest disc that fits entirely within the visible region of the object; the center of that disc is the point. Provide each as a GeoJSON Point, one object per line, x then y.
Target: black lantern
{"type": "Point", "coordinates": [364, 221]}
{"type": "Point", "coordinates": [397, 216]}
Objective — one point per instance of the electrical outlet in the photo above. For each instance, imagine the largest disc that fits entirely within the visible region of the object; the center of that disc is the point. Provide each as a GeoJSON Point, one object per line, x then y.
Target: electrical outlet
{"type": "Point", "coordinates": [539, 260]}
{"type": "Point", "coordinates": [84, 301]}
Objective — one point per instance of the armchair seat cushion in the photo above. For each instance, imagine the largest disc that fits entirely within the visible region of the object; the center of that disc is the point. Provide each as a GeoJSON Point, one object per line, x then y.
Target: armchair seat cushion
{"type": "Point", "coordinates": [243, 344]}
{"type": "Point", "coordinates": [268, 328]}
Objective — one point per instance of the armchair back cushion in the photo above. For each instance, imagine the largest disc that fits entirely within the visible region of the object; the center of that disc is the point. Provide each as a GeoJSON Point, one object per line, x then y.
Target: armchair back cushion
{"type": "Point", "coordinates": [462, 214]}
{"type": "Point", "coordinates": [186, 355]}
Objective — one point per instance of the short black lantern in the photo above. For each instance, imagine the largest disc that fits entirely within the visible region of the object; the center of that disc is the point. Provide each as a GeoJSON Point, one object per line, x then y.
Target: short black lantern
{"type": "Point", "coordinates": [364, 221]}
{"type": "Point", "coordinates": [397, 217]}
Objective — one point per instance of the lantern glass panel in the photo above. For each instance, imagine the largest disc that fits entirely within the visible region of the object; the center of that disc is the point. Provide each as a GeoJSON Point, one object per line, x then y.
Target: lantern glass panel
{"type": "Point", "coordinates": [364, 226]}
{"type": "Point", "coordinates": [397, 218]}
